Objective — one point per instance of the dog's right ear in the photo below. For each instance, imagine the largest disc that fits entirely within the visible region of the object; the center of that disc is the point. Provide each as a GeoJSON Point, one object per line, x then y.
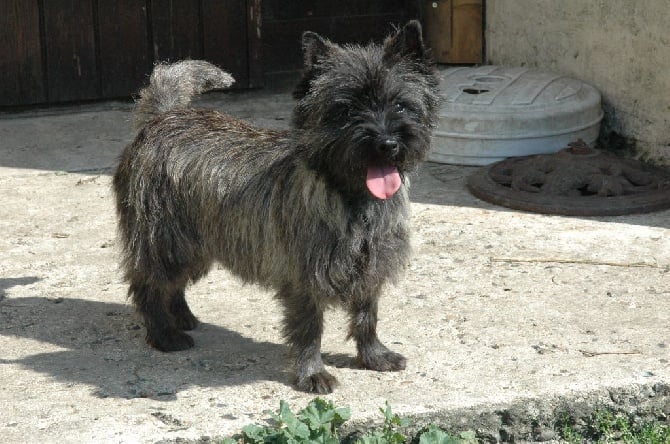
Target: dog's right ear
{"type": "Point", "coordinates": [314, 48]}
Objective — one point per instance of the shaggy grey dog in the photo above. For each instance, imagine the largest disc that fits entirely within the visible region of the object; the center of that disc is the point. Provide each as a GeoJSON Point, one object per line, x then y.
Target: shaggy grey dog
{"type": "Point", "coordinates": [317, 213]}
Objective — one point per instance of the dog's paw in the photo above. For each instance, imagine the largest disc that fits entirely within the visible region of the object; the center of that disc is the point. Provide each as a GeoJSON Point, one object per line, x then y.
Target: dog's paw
{"type": "Point", "coordinates": [383, 360]}
{"type": "Point", "coordinates": [185, 320]}
{"type": "Point", "coordinates": [321, 382]}
{"type": "Point", "coordinates": [170, 340]}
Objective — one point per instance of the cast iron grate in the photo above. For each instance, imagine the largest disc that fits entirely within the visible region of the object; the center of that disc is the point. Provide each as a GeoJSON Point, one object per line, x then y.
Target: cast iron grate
{"type": "Point", "coordinates": [576, 181]}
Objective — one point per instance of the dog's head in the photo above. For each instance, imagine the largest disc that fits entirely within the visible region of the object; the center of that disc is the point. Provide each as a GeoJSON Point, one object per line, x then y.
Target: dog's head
{"type": "Point", "coordinates": [365, 113]}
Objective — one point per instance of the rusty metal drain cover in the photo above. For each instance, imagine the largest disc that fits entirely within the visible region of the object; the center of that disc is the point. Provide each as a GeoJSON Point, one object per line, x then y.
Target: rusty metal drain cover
{"type": "Point", "coordinates": [576, 181]}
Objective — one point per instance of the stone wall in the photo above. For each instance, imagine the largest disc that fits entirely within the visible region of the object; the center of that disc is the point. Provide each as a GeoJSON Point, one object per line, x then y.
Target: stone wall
{"type": "Point", "coordinates": [622, 47]}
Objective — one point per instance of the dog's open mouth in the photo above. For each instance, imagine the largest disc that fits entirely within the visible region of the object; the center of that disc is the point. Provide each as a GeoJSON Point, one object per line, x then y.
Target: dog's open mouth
{"type": "Point", "coordinates": [383, 181]}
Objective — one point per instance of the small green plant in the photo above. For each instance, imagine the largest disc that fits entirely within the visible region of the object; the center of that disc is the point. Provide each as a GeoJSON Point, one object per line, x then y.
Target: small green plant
{"type": "Point", "coordinates": [565, 426]}
{"type": "Point", "coordinates": [316, 423]}
{"type": "Point", "coordinates": [605, 426]}
{"type": "Point", "coordinates": [608, 427]}
{"type": "Point", "coordinates": [319, 423]}
{"type": "Point", "coordinates": [390, 433]}
{"type": "Point", "coordinates": [653, 433]}
{"type": "Point", "coordinates": [320, 420]}
{"type": "Point", "coordinates": [435, 435]}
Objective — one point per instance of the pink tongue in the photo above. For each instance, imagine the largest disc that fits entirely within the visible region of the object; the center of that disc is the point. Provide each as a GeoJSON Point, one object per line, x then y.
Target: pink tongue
{"type": "Point", "coordinates": [383, 181]}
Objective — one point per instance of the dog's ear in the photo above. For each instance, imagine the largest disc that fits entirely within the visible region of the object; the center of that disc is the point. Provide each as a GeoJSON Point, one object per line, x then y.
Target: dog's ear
{"type": "Point", "coordinates": [314, 48]}
{"type": "Point", "coordinates": [407, 42]}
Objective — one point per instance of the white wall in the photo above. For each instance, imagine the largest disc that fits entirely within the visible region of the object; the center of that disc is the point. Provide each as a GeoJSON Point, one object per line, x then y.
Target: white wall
{"type": "Point", "coordinates": [622, 47]}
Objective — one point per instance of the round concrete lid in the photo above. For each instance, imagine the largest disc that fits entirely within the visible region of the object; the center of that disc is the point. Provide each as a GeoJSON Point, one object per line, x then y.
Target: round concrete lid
{"type": "Point", "coordinates": [498, 102]}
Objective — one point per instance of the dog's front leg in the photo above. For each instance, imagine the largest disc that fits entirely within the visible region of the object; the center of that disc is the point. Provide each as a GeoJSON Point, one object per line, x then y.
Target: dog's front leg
{"type": "Point", "coordinates": [372, 354]}
{"type": "Point", "coordinates": [303, 327]}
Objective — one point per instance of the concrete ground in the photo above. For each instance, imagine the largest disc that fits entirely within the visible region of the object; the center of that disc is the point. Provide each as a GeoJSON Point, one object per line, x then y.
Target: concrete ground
{"type": "Point", "coordinates": [508, 319]}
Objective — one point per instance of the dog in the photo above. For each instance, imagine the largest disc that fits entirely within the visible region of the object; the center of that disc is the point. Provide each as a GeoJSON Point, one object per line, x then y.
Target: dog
{"type": "Point", "coordinates": [318, 213]}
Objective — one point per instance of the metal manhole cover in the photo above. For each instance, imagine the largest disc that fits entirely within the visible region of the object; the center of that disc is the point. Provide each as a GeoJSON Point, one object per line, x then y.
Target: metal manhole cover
{"type": "Point", "coordinates": [576, 181]}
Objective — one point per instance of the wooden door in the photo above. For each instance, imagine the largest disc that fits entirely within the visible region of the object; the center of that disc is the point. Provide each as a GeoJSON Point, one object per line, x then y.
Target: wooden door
{"type": "Point", "coordinates": [122, 47]}
{"type": "Point", "coordinates": [454, 30]}
{"type": "Point", "coordinates": [176, 29]}
{"type": "Point", "coordinates": [342, 21]}
{"type": "Point", "coordinates": [55, 51]}
{"type": "Point", "coordinates": [21, 62]}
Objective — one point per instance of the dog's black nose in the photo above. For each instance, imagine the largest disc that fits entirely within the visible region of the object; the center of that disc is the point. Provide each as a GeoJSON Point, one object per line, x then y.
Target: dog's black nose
{"type": "Point", "coordinates": [388, 147]}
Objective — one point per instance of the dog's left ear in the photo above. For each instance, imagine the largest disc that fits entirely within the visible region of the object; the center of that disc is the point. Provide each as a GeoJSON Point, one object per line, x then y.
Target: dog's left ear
{"type": "Point", "coordinates": [406, 42]}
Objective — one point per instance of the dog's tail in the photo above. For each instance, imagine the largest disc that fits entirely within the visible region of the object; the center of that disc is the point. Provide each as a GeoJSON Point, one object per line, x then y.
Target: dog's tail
{"type": "Point", "coordinates": [173, 86]}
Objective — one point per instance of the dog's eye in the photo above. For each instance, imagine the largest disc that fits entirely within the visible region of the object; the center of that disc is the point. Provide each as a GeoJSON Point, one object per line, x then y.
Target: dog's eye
{"type": "Point", "coordinates": [399, 107]}
{"type": "Point", "coordinates": [339, 112]}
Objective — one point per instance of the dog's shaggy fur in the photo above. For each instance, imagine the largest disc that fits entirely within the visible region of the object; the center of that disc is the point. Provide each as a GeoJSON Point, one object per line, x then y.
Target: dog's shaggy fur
{"type": "Point", "coordinates": [293, 211]}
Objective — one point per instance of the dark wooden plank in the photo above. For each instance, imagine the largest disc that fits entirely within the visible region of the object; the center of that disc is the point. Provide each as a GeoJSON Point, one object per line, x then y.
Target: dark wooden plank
{"type": "Point", "coordinates": [454, 30]}
{"type": "Point", "coordinates": [437, 21]}
{"type": "Point", "coordinates": [70, 48]}
{"type": "Point", "coordinates": [123, 47]}
{"type": "Point", "coordinates": [21, 71]}
{"type": "Point", "coordinates": [255, 42]}
{"type": "Point", "coordinates": [468, 36]}
{"type": "Point", "coordinates": [176, 29]}
{"type": "Point", "coordinates": [281, 39]}
{"type": "Point", "coordinates": [287, 10]}
{"type": "Point", "coordinates": [225, 37]}
{"type": "Point", "coordinates": [345, 21]}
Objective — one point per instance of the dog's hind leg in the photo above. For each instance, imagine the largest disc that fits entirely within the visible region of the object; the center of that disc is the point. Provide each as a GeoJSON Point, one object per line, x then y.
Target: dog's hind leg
{"type": "Point", "coordinates": [303, 326]}
{"type": "Point", "coordinates": [183, 317]}
{"type": "Point", "coordinates": [372, 354]}
{"type": "Point", "coordinates": [155, 302]}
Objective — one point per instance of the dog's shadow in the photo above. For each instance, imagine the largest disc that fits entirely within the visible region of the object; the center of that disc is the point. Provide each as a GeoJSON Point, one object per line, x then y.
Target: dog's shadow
{"type": "Point", "coordinates": [102, 345]}
{"type": "Point", "coordinates": [7, 283]}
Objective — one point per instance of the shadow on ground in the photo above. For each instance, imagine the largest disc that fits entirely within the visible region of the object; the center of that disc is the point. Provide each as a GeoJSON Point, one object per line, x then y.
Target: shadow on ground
{"type": "Point", "coordinates": [7, 283]}
{"type": "Point", "coordinates": [102, 345]}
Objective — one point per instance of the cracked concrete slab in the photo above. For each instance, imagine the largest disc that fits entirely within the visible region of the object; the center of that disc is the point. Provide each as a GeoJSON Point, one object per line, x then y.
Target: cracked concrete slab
{"type": "Point", "coordinates": [499, 310]}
